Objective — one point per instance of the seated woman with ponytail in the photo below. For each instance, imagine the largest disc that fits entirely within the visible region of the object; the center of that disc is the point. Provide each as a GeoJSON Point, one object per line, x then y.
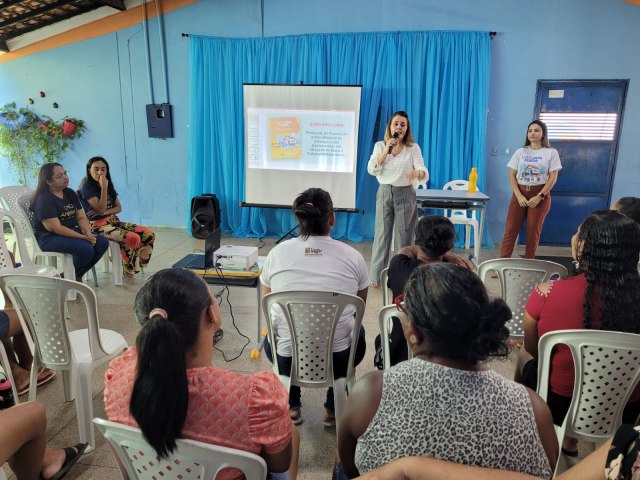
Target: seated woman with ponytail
{"type": "Point", "coordinates": [445, 403]}
{"type": "Point", "coordinates": [168, 388]}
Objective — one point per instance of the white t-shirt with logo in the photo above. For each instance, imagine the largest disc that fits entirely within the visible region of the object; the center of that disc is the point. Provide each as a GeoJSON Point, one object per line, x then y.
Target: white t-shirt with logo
{"type": "Point", "coordinates": [534, 166]}
{"type": "Point", "coordinates": [318, 263]}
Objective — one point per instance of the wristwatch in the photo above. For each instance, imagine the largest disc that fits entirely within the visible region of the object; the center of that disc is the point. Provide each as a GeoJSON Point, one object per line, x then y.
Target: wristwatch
{"type": "Point", "coordinates": [542, 195]}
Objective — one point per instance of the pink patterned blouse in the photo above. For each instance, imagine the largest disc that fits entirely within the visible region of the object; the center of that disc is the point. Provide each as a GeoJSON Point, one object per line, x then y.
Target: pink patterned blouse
{"type": "Point", "coordinates": [248, 412]}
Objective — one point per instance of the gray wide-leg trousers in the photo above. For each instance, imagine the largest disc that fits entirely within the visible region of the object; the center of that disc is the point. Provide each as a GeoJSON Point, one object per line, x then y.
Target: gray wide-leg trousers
{"type": "Point", "coordinates": [396, 213]}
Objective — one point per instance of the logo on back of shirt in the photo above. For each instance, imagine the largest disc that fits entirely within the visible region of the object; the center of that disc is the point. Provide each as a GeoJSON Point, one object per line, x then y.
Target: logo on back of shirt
{"type": "Point", "coordinates": [312, 251]}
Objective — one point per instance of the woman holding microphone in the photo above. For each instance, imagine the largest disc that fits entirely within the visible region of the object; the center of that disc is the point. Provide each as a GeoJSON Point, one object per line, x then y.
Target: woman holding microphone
{"type": "Point", "coordinates": [397, 163]}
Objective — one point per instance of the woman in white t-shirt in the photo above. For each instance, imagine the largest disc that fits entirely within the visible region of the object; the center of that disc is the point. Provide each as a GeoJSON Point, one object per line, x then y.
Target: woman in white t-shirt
{"type": "Point", "coordinates": [315, 261]}
{"type": "Point", "coordinates": [534, 172]}
{"type": "Point", "coordinates": [397, 163]}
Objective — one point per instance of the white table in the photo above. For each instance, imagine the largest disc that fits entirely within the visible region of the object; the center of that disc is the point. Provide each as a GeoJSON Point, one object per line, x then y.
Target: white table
{"type": "Point", "coordinates": [455, 199]}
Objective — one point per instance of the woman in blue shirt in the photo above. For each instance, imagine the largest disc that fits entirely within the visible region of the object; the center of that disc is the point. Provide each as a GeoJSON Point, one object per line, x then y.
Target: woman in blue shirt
{"type": "Point", "coordinates": [100, 200]}
{"type": "Point", "coordinates": [59, 222]}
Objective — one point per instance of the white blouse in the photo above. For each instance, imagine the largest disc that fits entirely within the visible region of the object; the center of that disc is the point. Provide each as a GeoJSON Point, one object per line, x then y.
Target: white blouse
{"type": "Point", "coordinates": [395, 169]}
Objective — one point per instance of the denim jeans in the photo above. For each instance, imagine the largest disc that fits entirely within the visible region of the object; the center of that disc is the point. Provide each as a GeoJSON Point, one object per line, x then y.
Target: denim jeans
{"type": "Point", "coordinates": [84, 254]}
{"type": "Point", "coordinates": [340, 365]}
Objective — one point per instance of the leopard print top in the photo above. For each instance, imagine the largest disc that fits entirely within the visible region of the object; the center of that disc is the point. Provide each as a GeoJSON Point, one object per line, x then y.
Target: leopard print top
{"type": "Point", "coordinates": [474, 418]}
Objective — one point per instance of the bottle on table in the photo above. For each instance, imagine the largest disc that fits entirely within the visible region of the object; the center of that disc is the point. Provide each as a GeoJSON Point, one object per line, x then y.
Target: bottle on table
{"type": "Point", "coordinates": [473, 180]}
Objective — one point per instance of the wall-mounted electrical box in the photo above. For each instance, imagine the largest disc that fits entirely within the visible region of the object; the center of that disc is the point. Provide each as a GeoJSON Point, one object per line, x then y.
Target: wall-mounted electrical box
{"type": "Point", "coordinates": [159, 120]}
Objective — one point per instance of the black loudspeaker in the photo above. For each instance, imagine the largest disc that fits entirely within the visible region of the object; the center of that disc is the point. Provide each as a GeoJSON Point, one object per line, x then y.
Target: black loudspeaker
{"type": "Point", "coordinates": [205, 215]}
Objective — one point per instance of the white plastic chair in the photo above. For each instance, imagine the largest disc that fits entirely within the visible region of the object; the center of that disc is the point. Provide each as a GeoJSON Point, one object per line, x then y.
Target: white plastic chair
{"type": "Point", "coordinates": [386, 291]}
{"type": "Point", "coordinates": [385, 324]}
{"type": "Point", "coordinates": [607, 370]}
{"type": "Point", "coordinates": [76, 353]}
{"type": "Point", "coordinates": [191, 459]}
{"type": "Point", "coordinates": [462, 217]}
{"type": "Point", "coordinates": [114, 257]}
{"type": "Point", "coordinates": [9, 201]}
{"type": "Point", "coordinates": [312, 318]}
{"type": "Point", "coordinates": [27, 268]}
{"type": "Point", "coordinates": [518, 277]}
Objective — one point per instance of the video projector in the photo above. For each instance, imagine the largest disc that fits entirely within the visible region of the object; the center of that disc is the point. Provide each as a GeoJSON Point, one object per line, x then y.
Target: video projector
{"type": "Point", "coordinates": [232, 257]}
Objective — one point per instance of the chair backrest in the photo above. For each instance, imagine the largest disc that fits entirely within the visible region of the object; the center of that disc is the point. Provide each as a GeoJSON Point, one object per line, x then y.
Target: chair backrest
{"type": "Point", "coordinates": [387, 294]}
{"type": "Point", "coordinates": [5, 258]}
{"type": "Point", "coordinates": [191, 459]}
{"type": "Point", "coordinates": [607, 370]}
{"type": "Point", "coordinates": [42, 304]}
{"type": "Point", "coordinates": [9, 196]}
{"type": "Point", "coordinates": [312, 318]}
{"type": "Point", "coordinates": [453, 214]}
{"type": "Point", "coordinates": [385, 323]}
{"type": "Point", "coordinates": [13, 198]}
{"type": "Point", "coordinates": [518, 277]}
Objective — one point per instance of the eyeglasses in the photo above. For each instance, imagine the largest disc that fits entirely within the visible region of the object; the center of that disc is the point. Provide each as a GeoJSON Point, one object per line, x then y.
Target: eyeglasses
{"type": "Point", "coordinates": [60, 175]}
{"type": "Point", "coordinates": [400, 304]}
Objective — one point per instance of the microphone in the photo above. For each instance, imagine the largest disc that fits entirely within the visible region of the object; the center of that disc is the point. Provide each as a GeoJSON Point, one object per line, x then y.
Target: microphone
{"type": "Point", "coordinates": [395, 135]}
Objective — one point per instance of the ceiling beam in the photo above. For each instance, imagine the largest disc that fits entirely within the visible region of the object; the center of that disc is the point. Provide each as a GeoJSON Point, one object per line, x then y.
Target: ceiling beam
{"type": "Point", "coordinates": [10, 3]}
{"type": "Point", "coordinates": [117, 4]}
{"type": "Point", "coordinates": [41, 24]}
{"type": "Point", "coordinates": [33, 13]}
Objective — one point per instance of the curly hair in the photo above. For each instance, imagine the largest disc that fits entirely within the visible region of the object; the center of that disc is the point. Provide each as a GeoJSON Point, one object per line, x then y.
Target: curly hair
{"type": "Point", "coordinates": [435, 235]}
{"type": "Point", "coordinates": [608, 245]}
{"type": "Point", "coordinates": [630, 206]}
{"type": "Point", "coordinates": [450, 306]}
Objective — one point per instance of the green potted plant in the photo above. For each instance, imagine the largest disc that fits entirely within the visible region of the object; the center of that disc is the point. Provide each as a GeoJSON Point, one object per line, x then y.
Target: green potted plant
{"type": "Point", "coordinates": [28, 141]}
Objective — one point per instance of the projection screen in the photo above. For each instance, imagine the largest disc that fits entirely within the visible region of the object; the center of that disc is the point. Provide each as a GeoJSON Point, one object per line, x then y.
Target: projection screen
{"type": "Point", "coordinates": [300, 136]}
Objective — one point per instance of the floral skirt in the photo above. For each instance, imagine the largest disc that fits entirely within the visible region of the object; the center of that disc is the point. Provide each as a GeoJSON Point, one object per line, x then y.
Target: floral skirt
{"type": "Point", "coordinates": [136, 242]}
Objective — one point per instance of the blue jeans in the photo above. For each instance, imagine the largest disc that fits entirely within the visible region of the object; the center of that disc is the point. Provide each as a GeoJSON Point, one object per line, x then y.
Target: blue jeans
{"type": "Point", "coordinates": [340, 365]}
{"type": "Point", "coordinates": [84, 254]}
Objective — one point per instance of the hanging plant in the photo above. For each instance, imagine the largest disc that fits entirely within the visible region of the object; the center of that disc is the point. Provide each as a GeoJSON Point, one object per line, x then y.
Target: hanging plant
{"type": "Point", "coordinates": [72, 127]}
{"type": "Point", "coordinates": [28, 140]}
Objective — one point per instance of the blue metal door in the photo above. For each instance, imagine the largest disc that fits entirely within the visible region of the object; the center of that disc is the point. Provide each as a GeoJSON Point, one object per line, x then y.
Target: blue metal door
{"type": "Point", "coordinates": [584, 119]}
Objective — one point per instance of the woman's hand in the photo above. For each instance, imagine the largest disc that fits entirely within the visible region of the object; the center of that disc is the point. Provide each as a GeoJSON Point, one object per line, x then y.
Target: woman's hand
{"type": "Point", "coordinates": [90, 237]}
{"type": "Point", "coordinates": [104, 183]}
{"type": "Point", "coordinates": [534, 201]}
{"type": "Point", "coordinates": [459, 260]}
{"type": "Point", "coordinates": [522, 201]}
{"type": "Point", "coordinates": [416, 175]}
{"type": "Point", "coordinates": [392, 142]}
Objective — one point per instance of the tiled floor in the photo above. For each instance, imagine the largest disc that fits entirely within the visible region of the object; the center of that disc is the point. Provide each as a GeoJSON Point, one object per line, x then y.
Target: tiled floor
{"type": "Point", "coordinates": [115, 311]}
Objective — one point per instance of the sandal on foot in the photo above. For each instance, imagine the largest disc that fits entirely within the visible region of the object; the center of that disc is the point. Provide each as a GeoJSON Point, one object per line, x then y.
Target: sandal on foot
{"type": "Point", "coordinates": [329, 418]}
{"type": "Point", "coordinates": [71, 456]}
{"type": "Point", "coordinates": [296, 416]}
{"type": "Point", "coordinates": [45, 375]}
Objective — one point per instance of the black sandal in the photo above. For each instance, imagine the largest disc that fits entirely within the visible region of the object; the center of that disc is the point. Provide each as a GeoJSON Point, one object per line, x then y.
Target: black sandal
{"type": "Point", "coordinates": [71, 456]}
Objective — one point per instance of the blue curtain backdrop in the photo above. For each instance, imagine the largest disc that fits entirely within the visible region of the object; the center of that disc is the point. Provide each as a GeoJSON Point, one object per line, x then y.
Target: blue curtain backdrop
{"type": "Point", "coordinates": [440, 78]}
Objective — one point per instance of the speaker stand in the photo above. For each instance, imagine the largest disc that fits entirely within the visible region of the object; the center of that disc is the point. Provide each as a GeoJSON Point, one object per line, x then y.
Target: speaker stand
{"type": "Point", "coordinates": [290, 232]}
